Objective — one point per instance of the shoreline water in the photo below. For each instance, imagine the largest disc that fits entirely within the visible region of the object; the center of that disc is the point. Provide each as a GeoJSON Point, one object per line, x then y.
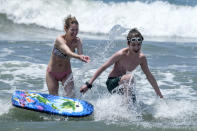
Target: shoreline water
{"type": "Point", "coordinates": [176, 78]}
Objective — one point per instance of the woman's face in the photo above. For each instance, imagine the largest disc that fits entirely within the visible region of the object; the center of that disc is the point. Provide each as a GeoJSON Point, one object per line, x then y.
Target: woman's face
{"type": "Point", "coordinates": [72, 31]}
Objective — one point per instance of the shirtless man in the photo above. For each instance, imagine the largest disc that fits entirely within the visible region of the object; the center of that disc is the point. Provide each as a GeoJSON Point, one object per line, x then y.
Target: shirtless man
{"type": "Point", "coordinates": [126, 59]}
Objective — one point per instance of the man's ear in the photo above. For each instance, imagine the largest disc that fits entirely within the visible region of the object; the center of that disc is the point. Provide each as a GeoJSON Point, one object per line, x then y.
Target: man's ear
{"type": "Point", "coordinates": [127, 42]}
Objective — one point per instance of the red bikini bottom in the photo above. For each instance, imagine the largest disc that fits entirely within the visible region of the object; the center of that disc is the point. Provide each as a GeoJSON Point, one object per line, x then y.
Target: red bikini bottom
{"type": "Point", "coordinates": [57, 75]}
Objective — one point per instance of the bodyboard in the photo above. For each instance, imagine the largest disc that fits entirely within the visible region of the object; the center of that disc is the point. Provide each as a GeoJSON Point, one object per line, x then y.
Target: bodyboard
{"type": "Point", "coordinates": [52, 104]}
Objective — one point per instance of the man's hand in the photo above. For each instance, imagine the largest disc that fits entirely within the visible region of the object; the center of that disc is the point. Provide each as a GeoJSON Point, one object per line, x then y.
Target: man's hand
{"type": "Point", "coordinates": [83, 89]}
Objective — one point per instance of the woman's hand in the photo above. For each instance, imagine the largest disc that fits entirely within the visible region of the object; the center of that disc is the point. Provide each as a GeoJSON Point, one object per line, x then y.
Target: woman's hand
{"type": "Point", "coordinates": [84, 58]}
{"type": "Point", "coordinates": [161, 96]}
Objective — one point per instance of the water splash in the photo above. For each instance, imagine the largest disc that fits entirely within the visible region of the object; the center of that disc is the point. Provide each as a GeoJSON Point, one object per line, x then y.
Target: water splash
{"type": "Point", "coordinates": [67, 88]}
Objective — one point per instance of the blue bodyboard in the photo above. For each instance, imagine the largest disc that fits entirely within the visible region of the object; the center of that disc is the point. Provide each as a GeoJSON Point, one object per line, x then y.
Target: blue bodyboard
{"type": "Point", "coordinates": [52, 104]}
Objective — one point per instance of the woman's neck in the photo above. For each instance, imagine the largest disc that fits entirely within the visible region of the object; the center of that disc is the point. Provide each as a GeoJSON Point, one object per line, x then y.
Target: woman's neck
{"type": "Point", "coordinates": [67, 38]}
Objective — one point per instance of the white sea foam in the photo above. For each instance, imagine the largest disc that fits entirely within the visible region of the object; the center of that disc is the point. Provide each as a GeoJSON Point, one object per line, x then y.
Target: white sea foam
{"type": "Point", "coordinates": [175, 109]}
{"type": "Point", "coordinates": [112, 109]}
{"type": "Point", "coordinates": [153, 19]}
{"type": "Point", "coordinates": [20, 71]}
{"type": "Point", "coordinates": [5, 106]}
{"type": "Point", "coordinates": [23, 68]}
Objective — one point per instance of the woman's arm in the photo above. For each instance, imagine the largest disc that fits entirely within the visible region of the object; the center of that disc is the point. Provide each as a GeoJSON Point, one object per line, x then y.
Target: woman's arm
{"type": "Point", "coordinates": [60, 44]}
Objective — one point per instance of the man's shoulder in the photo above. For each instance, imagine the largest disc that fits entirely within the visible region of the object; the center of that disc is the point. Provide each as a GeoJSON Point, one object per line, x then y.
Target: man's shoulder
{"type": "Point", "coordinates": [142, 55]}
{"type": "Point", "coordinates": [120, 53]}
{"type": "Point", "coordinates": [123, 51]}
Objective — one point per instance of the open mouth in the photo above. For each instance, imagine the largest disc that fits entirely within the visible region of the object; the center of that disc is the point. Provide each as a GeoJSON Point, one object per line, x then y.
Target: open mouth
{"type": "Point", "coordinates": [136, 51]}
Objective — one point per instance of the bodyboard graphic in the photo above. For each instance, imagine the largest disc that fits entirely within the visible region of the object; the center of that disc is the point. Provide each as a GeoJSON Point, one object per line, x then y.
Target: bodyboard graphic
{"type": "Point", "coordinates": [52, 104]}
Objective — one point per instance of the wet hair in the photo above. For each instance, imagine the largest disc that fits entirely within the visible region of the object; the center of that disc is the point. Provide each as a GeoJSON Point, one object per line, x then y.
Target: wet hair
{"type": "Point", "coordinates": [69, 20]}
{"type": "Point", "coordinates": [134, 33]}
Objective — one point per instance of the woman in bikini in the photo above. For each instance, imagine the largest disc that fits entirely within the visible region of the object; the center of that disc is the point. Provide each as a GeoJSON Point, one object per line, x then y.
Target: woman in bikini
{"type": "Point", "coordinates": [59, 67]}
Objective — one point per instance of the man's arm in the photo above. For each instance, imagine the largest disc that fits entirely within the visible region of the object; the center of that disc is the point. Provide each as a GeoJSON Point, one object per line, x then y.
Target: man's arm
{"type": "Point", "coordinates": [108, 63]}
{"type": "Point", "coordinates": [149, 76]}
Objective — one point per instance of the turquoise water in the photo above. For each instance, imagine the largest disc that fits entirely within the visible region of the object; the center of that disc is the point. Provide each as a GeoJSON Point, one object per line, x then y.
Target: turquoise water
{"type": "Point", "coordinates": [26, 41]}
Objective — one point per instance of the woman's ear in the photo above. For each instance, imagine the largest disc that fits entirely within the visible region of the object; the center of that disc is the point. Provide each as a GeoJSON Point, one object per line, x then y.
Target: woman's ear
{"type": "Point", "coordinates": [65, 29]}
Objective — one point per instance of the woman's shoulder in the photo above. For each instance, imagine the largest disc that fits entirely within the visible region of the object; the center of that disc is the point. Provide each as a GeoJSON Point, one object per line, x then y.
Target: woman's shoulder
{"type": "Point", "coordinates": [59, 38]}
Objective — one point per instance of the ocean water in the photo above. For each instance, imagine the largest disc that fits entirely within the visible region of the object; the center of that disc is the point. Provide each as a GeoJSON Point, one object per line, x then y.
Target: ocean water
{"type": "Point", "coordinates": [27, 33]}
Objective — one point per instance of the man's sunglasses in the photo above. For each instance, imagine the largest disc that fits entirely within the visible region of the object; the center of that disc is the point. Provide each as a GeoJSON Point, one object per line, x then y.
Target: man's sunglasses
{"type": "Point", "coordinates": [134, 39]}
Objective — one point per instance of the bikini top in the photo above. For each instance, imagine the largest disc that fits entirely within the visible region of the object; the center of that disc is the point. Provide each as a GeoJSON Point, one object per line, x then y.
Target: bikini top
{"type": "Point", "coordinates": [59, 54]}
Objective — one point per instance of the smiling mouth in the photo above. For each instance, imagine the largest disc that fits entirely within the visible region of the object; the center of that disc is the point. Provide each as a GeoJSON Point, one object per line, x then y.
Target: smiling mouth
{"type": "Point", "coordinates": [73, 35]}
{"type": "Point", "coordinates": [136, 51]}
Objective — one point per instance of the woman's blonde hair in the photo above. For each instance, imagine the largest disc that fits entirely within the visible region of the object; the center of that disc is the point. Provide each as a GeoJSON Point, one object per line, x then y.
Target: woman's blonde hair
{"type": "Point", "coordinates": [69, 20]}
